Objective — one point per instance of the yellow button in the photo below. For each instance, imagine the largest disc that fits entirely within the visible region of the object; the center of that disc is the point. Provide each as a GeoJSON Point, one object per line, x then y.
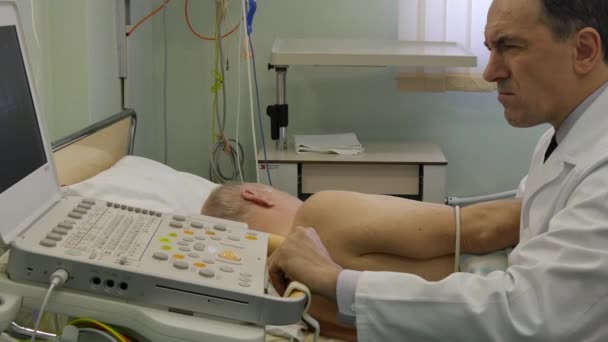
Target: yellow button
{"type": "Point", "coordinates": [188, 232]}
{"type": "Point", "coordinates": [165, 240]}
{"type": "Point", "coordinates": [199, 264]}
{"type": "Point", "coordinates": [250, 237]}
{"type": "Point", "coordinates": [179, 256]}
{"type": "Point", "coordinates": [230, 255]}
{"type": "Point", "coordinates": [165, 247]}
{"type": "Point", "coordinates": [172, 235]}
{"type": "Point", "coordinates": [209, 232]}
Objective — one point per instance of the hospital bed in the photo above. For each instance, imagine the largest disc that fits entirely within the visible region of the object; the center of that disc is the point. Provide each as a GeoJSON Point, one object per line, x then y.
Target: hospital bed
{"type": "Point", "coordinates": [96, 162]}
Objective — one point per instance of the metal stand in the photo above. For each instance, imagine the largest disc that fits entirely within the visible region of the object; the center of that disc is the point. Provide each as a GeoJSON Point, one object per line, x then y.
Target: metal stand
{"type": "Point", "coordinates": [279, 113]}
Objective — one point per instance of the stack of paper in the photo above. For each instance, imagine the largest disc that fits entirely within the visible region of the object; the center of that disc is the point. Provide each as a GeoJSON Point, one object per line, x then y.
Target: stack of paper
{"type": "Point", "coordinates": [346, 143]}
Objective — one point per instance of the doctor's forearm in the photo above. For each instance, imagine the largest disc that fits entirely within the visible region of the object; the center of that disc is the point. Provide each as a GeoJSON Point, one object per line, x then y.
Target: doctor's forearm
{"type": "Point", "coordinates": [491, 226]}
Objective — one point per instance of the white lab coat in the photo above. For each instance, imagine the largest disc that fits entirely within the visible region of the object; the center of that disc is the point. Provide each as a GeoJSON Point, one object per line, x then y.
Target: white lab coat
{"type": "Point", "coordinates": [556, 287]}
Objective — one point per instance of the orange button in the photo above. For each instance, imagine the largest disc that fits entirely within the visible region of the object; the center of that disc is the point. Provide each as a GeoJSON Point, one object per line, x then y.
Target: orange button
{"type": "Point", "coordinates": [179, 256]}
{"type": "Point", "coordinates": [200, 264]}
{"type": "Point", "coordinates": [230, 255]}
{"type": "Point", "coordinates": [251, 237]}
{"type": "Point", "coordinates": [209, 232]}
{"type": "Point", "coordinates": [188, 232]}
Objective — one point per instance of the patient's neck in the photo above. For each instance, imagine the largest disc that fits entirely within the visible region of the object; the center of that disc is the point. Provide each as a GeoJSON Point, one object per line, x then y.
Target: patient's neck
{"type": "Point", "coordinates": [276, 220]}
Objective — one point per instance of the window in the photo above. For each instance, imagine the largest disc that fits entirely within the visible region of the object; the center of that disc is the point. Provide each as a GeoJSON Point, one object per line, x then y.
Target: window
{"type": "Point", "coordinates": [461, 21]}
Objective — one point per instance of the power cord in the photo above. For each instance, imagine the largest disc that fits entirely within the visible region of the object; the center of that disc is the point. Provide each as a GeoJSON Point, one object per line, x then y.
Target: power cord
{"type": "Point", "coordinates": [306, 317]}
{"type": "Point", "coordinates": [58, 278]}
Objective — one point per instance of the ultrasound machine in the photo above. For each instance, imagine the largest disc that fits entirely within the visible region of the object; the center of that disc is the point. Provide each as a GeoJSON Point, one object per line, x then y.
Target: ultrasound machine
{"type": "Point", "coordinates": [168, 277]}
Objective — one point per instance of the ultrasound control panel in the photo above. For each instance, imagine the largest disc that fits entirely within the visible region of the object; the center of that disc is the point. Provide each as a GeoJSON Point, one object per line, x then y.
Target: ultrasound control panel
{"type": "Point", "coordinates": [190, 264]}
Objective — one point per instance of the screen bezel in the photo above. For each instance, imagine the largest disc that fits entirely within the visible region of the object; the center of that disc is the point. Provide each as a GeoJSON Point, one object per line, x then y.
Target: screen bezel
{"type": "Point", "coordinates": [23, 202]}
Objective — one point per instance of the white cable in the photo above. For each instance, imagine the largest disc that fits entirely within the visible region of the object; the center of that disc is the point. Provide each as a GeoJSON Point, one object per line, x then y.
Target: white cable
{"type": "Point", "coordinates": [457, 247]}
{"type": "Point", "coordinates": [58, 278]}
{"type": "Point", "coordinates": [306, 317]}
{"type": "Point", "coordinates": [253, 132]}
{"type": "Point", "coordinates": [165, 66]}
{"type": "Point", "coordinates": [238, 100]}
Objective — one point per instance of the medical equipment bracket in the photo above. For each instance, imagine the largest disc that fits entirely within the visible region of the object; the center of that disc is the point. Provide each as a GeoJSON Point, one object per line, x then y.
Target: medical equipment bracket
{"type": "Point", "coordinates": [279, 113]}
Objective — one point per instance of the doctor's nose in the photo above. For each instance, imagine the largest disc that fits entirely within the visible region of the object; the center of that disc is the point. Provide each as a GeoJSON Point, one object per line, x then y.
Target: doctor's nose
{"type": "Point", "coordinates": [496, 70]}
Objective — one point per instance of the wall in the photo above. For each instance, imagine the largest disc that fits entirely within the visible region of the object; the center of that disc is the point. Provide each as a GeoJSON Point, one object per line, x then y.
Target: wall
{"type": "Point", "coordinates": [484, 153]}
{"type": "Point", "coordinates": [72, 47]}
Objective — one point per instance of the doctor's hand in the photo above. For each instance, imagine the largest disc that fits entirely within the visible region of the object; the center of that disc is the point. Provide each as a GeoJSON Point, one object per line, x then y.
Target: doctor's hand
{"type": "Point", "coordinates": [302, 257]}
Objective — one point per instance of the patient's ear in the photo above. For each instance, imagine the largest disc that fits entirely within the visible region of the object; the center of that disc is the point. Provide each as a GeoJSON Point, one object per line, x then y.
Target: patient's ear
{"type": "Point", "coordinates": [257, 197]}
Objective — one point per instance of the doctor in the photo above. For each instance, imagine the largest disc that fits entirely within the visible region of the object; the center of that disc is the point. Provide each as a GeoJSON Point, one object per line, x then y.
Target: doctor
{"type": "Point", "coordinates": [548, 58]}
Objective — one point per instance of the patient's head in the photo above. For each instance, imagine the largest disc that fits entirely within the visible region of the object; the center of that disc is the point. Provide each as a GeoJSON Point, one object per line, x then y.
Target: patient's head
{"type": "Point", "coordinates": [262, 207]}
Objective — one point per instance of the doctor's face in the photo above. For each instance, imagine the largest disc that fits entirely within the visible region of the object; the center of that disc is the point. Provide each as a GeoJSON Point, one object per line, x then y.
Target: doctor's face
{"type": "Point", "coordinates": [532, 69]}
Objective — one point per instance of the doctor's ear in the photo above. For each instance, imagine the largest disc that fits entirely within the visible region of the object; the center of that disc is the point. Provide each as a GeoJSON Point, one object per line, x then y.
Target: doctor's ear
{"type": "Point", "coordinates": [588, 50]}
{"type": "Point", "coordinates": [257, 197]}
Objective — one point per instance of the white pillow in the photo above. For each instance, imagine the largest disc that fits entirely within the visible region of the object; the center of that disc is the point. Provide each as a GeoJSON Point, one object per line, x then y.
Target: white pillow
{"type": "Point", "coordinates": [147, 184]}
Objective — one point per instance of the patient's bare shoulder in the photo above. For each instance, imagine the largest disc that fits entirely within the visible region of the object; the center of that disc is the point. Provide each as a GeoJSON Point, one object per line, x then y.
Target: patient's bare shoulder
{"type": "Point", "coordinates": [324, 204]}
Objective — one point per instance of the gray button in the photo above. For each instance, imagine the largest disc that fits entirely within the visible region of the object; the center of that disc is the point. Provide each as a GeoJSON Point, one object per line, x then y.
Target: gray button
{"type": "Point", "coordinates": [48, 243]}
{"type": "Point", "coordinates": [116, 205]}
{"type": "Point", "coordinates": [80, 211]}
{"type": "Point", "coordinates": [144, 211]}
{"type": "Point", "coordinates": [88, 201]}
{"type": "Point", "coordinates": [152, 212]}
{"type": "Point", "coordinates": [246, 280]}
{"type": "Point", "coordinates": [159, 214]}
{"type": "Point", "coordinates": [75, 215]}
{"type": "Point", "coordinates": [206, 273]}
{"type": "Point", "coordinates": [109, 204]}
{"type": "Point", "coordinates": [74, 252]}
{"type": "Point", "coordinates": [245, 274]}
{"type": "Point", "coordinates": [185, 249]}
{"type": "Point", "coordinates": [234, 238]}
{"type": "Point", "coordinates": [182, 265]}
{"type": "Point", "coordinates": [137, 210]}
{"type": "Point", "coordinates": [194, 255]}
{"type": "Point", "coordinates": [251, 232]}
{"type": "Point", "coordinates": [93, 255]}
{"type": "Point", "coordinates": [216, 238]}
{"type": "Point", "coordinates": [209, 261]}
{"type": "Point", "coordinates": [66, 225]}
{"type": "Point", "coordinates": [199, 237]}
{"type": "Point", "coordinates": [68, 221]}
{"type": "Point", "coordinates": [54, 236]}
{"type": "Point", "coordinates": [188, 239]}
{"type": "Point", "coordinates": [60, 231]}
{"type": "Point", "coordinates": [227, 269]}
{"type": "Point", "coordinates": [196, 224]}
{"type": "Point", "coordinates": [183, 243]}
{"type": "Point", "coordinates": [199, 246]}
{"type": "Point", "coordinates": [175, 224]}
{"type": "Point", "coordinates": [220, 227]}
{"type": "Point", "coordinates": [244, 284]}
{"type": "Point", "coordinates": [160, 256]}
{"type": "Point", "coordinates": [180, 218]}
{"type": "Point", "coordinates": [123, 261]}
{"type": "Point", "coordinates": [123, 206]}
{"type": "Point", "coordinates": [130, 208]}
{"type": "Point", "coordinates": [85, 206]}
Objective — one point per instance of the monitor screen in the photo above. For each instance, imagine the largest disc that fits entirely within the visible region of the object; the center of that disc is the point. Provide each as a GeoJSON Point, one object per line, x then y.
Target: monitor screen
{"type": "Point", "coordinates": [21, 146]}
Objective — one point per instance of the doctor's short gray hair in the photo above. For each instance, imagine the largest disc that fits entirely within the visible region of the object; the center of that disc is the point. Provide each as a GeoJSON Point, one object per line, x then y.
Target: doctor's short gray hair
{"type": "Point", "coordinates": [566, 17]}
{"type": "Point", "coordinates": [226, 202]}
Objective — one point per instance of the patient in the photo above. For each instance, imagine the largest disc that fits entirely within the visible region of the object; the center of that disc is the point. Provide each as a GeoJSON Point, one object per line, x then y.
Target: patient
{"type": "Point", "coordinates": [370, 232]}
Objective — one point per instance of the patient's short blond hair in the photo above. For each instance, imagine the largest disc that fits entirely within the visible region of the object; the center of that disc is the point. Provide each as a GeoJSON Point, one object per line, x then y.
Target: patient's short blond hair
{"type": "Point", "coordinates": [226, 202]}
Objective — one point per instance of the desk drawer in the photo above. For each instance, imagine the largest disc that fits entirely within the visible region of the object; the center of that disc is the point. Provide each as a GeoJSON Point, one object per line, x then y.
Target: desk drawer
{"type": "Point", "coordinates": [367, 178]}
